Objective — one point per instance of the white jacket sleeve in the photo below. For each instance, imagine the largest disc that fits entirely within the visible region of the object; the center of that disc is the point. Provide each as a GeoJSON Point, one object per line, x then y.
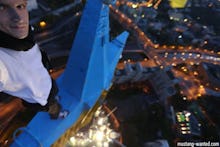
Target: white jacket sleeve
{"type": "Point", "coordinates": [3, 72]}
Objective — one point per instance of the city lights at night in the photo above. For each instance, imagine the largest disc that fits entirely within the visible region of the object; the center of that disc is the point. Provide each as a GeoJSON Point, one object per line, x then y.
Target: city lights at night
{"type": "Point", "coordinates": [151, 66]}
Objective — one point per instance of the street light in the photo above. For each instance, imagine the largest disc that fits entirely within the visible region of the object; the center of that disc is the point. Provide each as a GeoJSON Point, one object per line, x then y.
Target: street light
{"type": "Point", "coordinates": [42, 24]}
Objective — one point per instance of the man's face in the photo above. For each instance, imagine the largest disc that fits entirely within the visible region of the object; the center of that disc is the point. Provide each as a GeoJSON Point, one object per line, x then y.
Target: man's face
{"type": "Point", "coordinates": [14, 18]}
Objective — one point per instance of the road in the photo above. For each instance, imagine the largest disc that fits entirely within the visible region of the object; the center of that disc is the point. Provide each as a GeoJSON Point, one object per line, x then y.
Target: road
{"type": "Point", "coordinates": [154, 51]}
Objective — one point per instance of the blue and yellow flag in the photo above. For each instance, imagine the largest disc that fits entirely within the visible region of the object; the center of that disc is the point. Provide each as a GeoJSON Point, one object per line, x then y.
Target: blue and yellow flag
{"type": "Point", "coordinates": [178, 3]}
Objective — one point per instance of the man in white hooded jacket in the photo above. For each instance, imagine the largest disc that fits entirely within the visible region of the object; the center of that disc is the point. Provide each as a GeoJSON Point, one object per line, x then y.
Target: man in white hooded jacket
{"type": "Point", "coordinates": [22, 73]}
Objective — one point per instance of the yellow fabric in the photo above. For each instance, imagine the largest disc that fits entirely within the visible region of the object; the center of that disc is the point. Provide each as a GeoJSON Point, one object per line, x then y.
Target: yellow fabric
{"type": "Point", "coordinates": [178, 3]}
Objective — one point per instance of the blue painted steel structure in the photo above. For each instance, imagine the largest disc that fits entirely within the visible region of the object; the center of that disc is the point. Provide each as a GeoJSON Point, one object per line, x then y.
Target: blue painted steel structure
{"type": "Point", "coordinates": [88, 73]}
